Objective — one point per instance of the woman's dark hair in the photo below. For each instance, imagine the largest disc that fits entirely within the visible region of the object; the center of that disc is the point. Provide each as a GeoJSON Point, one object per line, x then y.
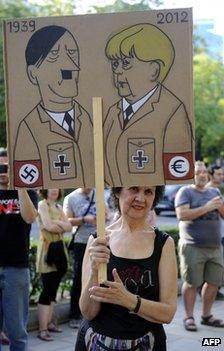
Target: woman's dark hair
{"type": "Point", "coordinates": [44, 194]}
{"type": "Point", "coordinates": [158, 195]}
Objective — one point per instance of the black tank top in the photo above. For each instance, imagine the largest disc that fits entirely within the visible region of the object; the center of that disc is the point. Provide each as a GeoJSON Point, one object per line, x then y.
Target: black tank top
{"type": "Point", "coordinates": [140, 276]}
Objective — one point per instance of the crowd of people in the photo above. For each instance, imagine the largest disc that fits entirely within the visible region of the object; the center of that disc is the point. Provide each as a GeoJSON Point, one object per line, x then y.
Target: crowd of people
{"type": "Point", "coordinates": [139, 295]}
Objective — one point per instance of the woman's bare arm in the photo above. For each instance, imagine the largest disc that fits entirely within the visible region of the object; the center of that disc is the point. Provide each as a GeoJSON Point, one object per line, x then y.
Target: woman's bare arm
{"type": "Point", "coordinates": [27, 209]}
{"type": "Point", "coordinates": [63, 222]}
{"type": "Point", "coordinates": [47, 222]}
{"type": "Point", "coordinates": [96, 253]}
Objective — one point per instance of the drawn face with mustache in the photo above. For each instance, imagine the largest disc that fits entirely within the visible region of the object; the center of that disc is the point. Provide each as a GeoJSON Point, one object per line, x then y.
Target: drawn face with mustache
{"type": "Point", "coordinates": [57, 75]}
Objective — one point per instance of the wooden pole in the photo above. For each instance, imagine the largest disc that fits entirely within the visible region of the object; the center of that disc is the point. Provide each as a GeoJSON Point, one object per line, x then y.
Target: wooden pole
{"type": "Point", "coordinates": [99, 176]}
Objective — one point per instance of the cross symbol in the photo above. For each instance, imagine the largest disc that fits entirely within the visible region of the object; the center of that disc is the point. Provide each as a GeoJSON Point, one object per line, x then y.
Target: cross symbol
{"type": "Point", "coordinates": [140, 159]}
{"type": "Point", "coordinates": [62, 164]}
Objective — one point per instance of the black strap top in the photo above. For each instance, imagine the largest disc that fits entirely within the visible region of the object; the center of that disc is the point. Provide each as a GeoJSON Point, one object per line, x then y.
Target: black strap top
{"type": "Point", "coordinates": [140, 276]}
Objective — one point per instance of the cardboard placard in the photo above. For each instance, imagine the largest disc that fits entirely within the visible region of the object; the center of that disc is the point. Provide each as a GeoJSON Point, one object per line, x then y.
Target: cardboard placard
{"type": "Point", "coordinates": [139, 63]}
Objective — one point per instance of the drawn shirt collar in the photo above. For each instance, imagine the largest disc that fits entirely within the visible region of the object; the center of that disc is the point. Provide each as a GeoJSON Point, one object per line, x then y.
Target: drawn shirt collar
{"type": "Point", "coordinates": [58, 117]}
{"type": "Point", "coordinates": [136, 106]}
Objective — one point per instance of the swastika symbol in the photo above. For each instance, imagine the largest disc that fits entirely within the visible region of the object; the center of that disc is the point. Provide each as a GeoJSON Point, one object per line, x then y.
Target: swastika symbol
{"type": "Point", "coordinates": [29, 173]}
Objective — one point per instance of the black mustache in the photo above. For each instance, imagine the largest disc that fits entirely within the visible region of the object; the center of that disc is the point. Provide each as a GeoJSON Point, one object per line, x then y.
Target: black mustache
{"type": "Point", "coordinates": [66, 74]}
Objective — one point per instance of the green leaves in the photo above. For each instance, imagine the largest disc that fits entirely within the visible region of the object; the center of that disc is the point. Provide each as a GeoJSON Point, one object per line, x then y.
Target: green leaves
{"type": "Point", "coordinates": [209, 106]}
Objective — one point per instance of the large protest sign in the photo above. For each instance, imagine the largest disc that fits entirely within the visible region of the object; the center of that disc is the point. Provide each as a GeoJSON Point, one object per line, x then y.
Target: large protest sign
{"type": "Point", "coordinates": [139, 63]}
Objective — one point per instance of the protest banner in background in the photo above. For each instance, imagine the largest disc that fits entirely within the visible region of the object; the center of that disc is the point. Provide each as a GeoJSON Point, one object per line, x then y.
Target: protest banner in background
{"type": "Point", "coordinates": [140, 63]}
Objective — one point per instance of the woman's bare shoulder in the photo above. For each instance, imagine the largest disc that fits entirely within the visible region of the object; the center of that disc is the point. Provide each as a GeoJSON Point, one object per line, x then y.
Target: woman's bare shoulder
{"type": "Point", "coordinates": [113, 226]}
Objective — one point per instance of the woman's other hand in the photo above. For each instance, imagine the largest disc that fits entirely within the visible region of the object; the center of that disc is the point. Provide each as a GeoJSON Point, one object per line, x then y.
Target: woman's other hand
{"type": "Point", "coordinates": [114, 293]}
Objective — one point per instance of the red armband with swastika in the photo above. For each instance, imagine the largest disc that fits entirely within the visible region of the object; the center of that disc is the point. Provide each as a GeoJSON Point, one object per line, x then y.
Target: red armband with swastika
{"type": "Point", "coordinates": [28, 174]}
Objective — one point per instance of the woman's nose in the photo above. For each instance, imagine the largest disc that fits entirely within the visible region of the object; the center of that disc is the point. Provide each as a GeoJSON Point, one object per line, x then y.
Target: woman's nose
{"type": "Point", "coordinates": [140, 196]}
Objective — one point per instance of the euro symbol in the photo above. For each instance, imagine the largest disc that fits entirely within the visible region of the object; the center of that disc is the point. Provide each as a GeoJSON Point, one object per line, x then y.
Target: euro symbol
{"type": "Point", "coordinates": [177, 167]}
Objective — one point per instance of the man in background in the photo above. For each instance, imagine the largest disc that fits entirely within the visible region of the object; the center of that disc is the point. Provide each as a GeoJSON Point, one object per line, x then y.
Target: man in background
{"type": "Point", "coordinates": [216, 178]}
{"type": "Point", "coordinates": [199, 210]}
{"type": "Point", "coordinates": [80, 209]}
{"type": "Point", "coordinates": [17, 212]}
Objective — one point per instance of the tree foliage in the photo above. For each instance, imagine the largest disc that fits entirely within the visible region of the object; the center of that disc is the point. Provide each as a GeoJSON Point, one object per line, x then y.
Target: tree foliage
{"type": "Point", "coordinates": [122, 6]}
{"type": "Point", "coordinates": [199, 44]}
{"type": "Point", "coordinates": [209, 106]}
{"type": "Point", "coordinates": [55, 7]}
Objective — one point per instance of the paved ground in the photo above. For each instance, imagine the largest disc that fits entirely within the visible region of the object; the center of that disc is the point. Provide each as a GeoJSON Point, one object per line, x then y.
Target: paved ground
{"type": "Point", "coordinates": [181, 340]}
{"type": "Point", "coordinates": [178, 338]}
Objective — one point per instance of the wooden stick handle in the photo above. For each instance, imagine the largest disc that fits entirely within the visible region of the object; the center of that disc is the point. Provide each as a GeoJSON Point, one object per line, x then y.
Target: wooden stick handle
{"type": "Point", "coordinates": [99, 176]}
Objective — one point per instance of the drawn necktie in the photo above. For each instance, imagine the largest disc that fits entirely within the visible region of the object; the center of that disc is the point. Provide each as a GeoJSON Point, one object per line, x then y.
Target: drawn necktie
{"type": "Point", "coordinates": [68, 119]}
{"type": "Point", "coordinates": [128, 112]}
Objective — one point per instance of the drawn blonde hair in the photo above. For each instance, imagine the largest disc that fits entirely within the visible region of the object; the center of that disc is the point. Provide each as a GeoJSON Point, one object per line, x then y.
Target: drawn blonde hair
{"type": "Point", "coordinates": [144, 41]}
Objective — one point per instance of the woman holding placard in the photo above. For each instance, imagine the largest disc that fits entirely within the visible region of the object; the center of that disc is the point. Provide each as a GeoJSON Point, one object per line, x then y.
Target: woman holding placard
{"type": "Point", "coordinates": [139, 295]}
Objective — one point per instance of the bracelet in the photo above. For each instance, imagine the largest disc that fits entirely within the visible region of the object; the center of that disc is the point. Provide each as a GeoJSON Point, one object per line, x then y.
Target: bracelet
{"type": "Point", "coordinates": [83, 219]}
{"type": "Point", "coordinates": [138, 305]}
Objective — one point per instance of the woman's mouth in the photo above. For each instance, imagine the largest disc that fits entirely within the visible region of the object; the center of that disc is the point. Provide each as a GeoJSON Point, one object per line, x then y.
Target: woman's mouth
{"type": "Point", "coordinates": [138, 207]}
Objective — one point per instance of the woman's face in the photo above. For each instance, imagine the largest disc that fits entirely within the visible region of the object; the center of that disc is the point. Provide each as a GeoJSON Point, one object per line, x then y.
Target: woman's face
{"type": "Point", "coordinates": [52, 194]}
{"type": "Point", "coordinates": [136, 201]}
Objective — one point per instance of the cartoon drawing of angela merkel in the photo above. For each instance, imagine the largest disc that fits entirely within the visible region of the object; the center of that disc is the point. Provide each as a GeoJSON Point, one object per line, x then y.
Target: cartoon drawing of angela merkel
{"type": "Point", "coordinates": [148, 135]}
{"type": "Point", "coordinates": [58, 131]}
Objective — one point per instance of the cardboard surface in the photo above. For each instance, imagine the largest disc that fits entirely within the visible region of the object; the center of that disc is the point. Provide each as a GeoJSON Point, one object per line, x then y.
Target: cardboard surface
{"type": "Point", "coordinates": [55, 65]}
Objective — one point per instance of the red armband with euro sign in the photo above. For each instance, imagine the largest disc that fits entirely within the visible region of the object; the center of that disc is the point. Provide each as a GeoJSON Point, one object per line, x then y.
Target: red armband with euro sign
{"type": "Point", "coordinates": [178, 166]}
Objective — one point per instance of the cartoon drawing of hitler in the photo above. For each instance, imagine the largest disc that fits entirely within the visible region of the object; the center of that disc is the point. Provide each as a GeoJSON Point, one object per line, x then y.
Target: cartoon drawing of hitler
{"type": "Point", "coordinates": [58, 131]}
{"type": "Point", "coordinates": [148, 135]}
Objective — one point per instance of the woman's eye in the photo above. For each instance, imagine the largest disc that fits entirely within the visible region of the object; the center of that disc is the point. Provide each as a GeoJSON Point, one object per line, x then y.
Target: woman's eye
{"type": "Point", "coordinates": [134, 188]}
